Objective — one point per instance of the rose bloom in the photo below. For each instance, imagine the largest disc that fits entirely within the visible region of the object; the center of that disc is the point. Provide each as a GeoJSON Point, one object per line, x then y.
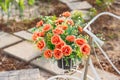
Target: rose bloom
{"type": "Point", "coordinates": [66, 50]}
{"type": "Point", "coordinates": [35, 36]}
{"type": "Point", "coordinates": [66, 14]}
{"type": "Point", "coordinates": [40, 23]}
{"type": "Point", "coordinates": [60, 20]}
{"type": "Point", "coordinates": [70, 22]}
{"type": "Point", "coordinates": [58, 31]}
{"type": "Point", "coordinates": [55, 39]}
{"type": "Point", "coordinates": [41, 34]}
{"type": "Point", "coordinates": [85, 49]}
{"type": "Point", "coordinates": [60, 45]}
{"type": "Point", "coordinates": [41, 44]}
{"type": "Point", "coordinates": [46, 27]}
{"type": "Point", "coordinates": [48, 53]}
{"type": "Point", "coordinates": [64, 27]}
{"type": "Point", "coordinates": [80, 29]}
{"type": "Point", "coordinates": [80, 41]}
{"type": "Point", "coordinates": [57, 54]}
{"type": "Point", "coordinates": [70, 38]}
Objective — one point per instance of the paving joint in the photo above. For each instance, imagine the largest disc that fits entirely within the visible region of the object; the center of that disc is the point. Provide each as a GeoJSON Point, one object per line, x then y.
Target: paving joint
{"type": "Point", "coordinates": [12, 44]}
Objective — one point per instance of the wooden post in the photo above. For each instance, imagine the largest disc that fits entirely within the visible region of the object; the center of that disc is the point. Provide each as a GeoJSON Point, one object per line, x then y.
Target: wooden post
{"type": "Point", "coordinates": [87, 62]}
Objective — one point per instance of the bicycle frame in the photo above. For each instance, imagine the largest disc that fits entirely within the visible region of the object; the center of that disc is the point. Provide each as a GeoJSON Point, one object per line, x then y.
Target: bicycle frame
{"type": "Point", "coordinates": [97, 40]}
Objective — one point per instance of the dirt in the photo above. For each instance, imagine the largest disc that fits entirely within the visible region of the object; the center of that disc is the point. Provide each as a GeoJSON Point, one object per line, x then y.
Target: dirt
{"type": "Point", "coordinates": [9, 63]}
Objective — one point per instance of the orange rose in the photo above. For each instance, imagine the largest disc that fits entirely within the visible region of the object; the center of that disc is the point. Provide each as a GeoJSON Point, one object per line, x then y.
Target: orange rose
{"type": "Point", "coordinates": [64, 27]}
{"type": "Point", "coordinates": [80, 41]}
{"type": "Point", "coordinates": [80, 29]}
{"type": "Point", "coordinates": [40, 23]}
{"type": "Point", "coordinates": [60, 45]}
{"type": "Point", "coordinates": [66, 50]}
{"type": "Point", "coordinates": [47, 27]}
{"type": "Point", "coordinates": [41, 44]}
{"type": "Point", "coordinates": [66, 14]}
{"type": "Point", "coordinates": [41, 34]}
{"type": "Point", "coordinates": [70, 22]}
{"type": "Point", "coordinates": [70, 38]}
{"type": "Point", "coordinates": [35, 36]}
{"type": "Point", "coordinates": [85, 49]}
{"type": "Point", "coordinates": [55, 39]}
{"type": "Point", "coordinates": [58, 31]}
{"type": "Point", "coordinates": [48, 54]}
{"type": "Point", "coordinates": [57, 54]}
{"type": "Point", "coordinates": [60, 20]}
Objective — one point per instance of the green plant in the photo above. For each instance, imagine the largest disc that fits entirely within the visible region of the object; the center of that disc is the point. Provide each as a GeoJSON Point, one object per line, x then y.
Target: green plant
{"type": "Point", "coordinates": [7, 4]}
{"type": "Point", "coordinates": [104, 3]}
{"type": "Point", "coordinates": [31, 2]}
{"type": "Point", "coordinates": [92, 12]}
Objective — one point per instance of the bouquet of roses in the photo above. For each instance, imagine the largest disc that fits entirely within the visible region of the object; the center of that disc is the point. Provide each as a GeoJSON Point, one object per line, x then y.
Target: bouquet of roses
{"type": "Point", "coordinates": [61, 37]}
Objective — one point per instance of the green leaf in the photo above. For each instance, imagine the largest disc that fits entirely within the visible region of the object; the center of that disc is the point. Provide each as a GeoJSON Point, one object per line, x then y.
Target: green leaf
{"type": "Point", "coordinates": [21, 4]}
{"type": "Point", "coordinates": [31, 2]}
{"type": "Point", "coordinates": [53, 17]}
{"type": "Point", "coordinates": [4, 7]}
{"type": "Point", "coordinates": [48, 41]}
{"type": "Point", "coordinates": [33, 29]}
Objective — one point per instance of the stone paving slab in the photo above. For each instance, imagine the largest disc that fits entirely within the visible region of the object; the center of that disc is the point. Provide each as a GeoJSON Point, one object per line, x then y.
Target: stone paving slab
{"type": "Point", "coordinates": [47, 65]}
{"type": "Point", "coordinates": [7, 39]}
{"type": "Point", "coordinates": [103, 75]}
{"type": "Point", "coordinates": [79, 5]}
{"type": "Point", "coordinates": [25, 74]}
{"type": "Point", "coordinates": [67, 1]}
{"type": "Point", "coordinates": [24, 34]}
{"type": "Point", "coordinates": [45, 74]}
{"type": "Point", "coordinates": [24, 50]}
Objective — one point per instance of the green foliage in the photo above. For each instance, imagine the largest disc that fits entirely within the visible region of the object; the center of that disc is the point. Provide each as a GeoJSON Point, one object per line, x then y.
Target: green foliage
{"type": "Point", "coordinates": [31, 2]}
{"type": "Point", "coordinates": [92, 12]}
{"type": "Point", "coordinates": [77, 17]}
{"type": "Point", "coordinates": [6, 5]}
{"type": "Point", "coordinates": [104, 3]}
{"type": "Point", "coordinates": [48, 41]}
{"type": "Point", "coordinates": [21, 4]}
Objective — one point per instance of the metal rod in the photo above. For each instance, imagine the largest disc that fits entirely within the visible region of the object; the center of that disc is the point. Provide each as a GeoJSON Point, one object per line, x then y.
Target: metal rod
{"type": "Point", "coordinates": [86, 68]}
{"type": "Point", "coordinates": [87, 63]}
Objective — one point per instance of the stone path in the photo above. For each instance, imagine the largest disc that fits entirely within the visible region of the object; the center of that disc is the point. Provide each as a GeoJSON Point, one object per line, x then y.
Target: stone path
{"type": "Point", "coordinates": [24, 50]}
{"type": "Point", "coordinates": [77, 4]}
{"type": "Point", "coordinates": [67, 1]}
{"type": "Point", "coordinates": [48, 65]}
{"type": "Point", "coordinates": [7, 39]}
{"type": "Point", "coordinates": [27, 74]}
{"type": "Point", "coordinates": [24, 34]}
